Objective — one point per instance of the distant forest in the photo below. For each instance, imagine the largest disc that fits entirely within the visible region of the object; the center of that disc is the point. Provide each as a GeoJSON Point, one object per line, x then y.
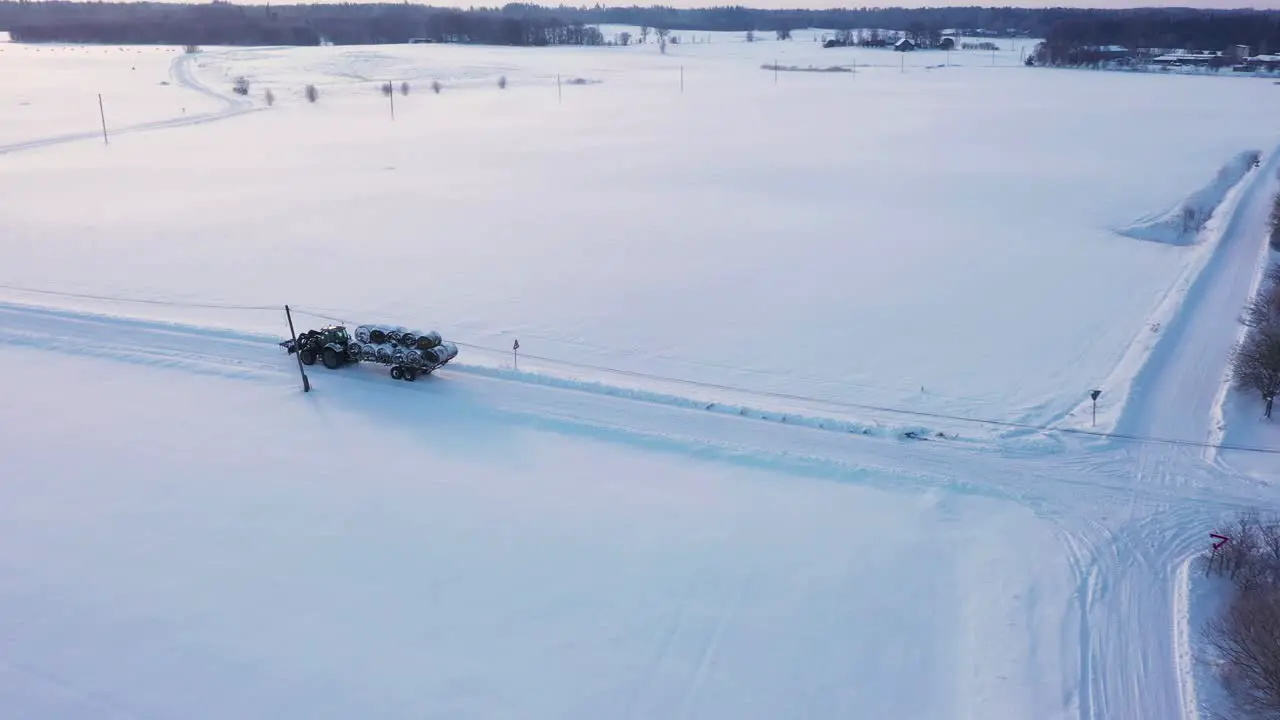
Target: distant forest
{"type": "Point", "coordinates": [223, 23]}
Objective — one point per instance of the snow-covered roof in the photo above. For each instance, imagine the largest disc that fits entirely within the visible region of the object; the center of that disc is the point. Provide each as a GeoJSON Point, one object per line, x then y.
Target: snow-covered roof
{"type": "Point", "coordinates": [1265, 58]}
{"type": "Point", "coordinates": [1179, 57]}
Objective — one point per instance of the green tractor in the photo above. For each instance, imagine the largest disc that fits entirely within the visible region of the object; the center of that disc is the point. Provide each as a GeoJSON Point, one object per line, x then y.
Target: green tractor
{"type": "Point", "coordinates": [329, 344]}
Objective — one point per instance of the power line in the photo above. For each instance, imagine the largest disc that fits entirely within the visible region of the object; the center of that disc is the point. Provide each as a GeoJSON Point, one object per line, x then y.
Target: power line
{"type": "Point", "coordinates": [139, 301]}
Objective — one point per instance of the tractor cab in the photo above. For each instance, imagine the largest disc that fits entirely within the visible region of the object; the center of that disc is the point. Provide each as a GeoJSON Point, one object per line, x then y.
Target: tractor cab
{"type": "Point", "coordinates": [336, 334]}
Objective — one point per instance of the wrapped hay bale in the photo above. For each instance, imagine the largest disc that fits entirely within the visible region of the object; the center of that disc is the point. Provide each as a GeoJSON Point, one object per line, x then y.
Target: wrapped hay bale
{"type": "Point", "coordinates": [428, 340]}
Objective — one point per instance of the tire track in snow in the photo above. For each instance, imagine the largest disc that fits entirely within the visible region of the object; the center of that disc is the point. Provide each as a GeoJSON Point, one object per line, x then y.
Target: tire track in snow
{"type": "Point", "coordinates": [180, 72]}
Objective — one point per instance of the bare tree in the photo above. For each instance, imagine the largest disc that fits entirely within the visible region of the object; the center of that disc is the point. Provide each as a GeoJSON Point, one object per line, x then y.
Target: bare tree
{"type": "Point", "coordinates": [502, 82]}
{"type": "Point", "coordinates": [436, 86]}
{"type": "Point", "coordinates": [270, 97]}
{"type": "Point", "coordinates": [624, 38]}
{"type": "Point", "coordinates": [751, 36]}
{"type": "Point", "coordinates": [312, 93]}
{"type": "Point", "coordinates": [1264, 310]}
{"type": "Point", "coordinates": [644, 34]}
{"type": "Point", "coordinates": [662, 34]}
{"type": "Point", "coordinates": [784, 34]}
{"type": "Point", "coordinates": [387, 89]}
{"type": "Point", "coordinates": [1246, 636]}
{"type": "Point", "coordinates": [1255, 364]}
{"type": "Point", "coordinates": [404, 88]}
{"type": "Point", "coordinates": [1275, 224]}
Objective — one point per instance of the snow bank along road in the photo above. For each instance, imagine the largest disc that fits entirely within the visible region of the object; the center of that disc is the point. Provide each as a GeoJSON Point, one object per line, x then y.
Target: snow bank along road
{"type": "Point", "coordinates": [1129, 514]}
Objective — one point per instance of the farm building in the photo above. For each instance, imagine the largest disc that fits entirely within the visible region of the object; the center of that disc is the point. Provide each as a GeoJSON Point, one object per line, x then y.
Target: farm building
{"type": "Point", "coordinates": [904, 45]}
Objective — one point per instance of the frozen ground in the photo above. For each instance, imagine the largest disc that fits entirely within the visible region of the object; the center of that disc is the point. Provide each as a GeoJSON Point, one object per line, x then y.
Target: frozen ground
{"type": "Point", "coordinates": [490, 565]}
{"type": "Point", "coordinates": [183, 532]}
{"type": "Point", "coordinates": [827, 234]}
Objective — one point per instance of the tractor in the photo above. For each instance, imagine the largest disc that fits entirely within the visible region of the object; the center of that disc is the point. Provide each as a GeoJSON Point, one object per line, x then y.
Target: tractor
{"type": "Point", "coordinates": [410, 354]}
{"type": "Point", "coordinates": [329, 344]}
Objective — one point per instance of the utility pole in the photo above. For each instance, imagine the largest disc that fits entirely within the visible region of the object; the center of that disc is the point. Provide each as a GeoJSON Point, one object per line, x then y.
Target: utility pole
{"type": "Point", "coordinates": [559, 91]}
{"type": "Point", "coordinates": [391, 94]}
{"type": "Point", "coordinates": [681, 79]}
{"type": "Point", "coordinates": [515, 357]}
{"type": "Point", "coordinates": [103, 114]}
{"type": "Point", "coordinates": [775, 71]}
{"type": "Point", "coordinates": [306, 384]}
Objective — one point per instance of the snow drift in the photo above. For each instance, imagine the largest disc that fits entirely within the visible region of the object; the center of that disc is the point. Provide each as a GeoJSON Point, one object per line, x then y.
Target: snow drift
{"type": "Point", "coordinates": [1181, 224]}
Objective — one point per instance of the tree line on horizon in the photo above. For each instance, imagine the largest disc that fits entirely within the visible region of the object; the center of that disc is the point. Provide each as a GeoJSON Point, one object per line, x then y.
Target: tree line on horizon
{"type": "Point", "coordinates": [224, 23]}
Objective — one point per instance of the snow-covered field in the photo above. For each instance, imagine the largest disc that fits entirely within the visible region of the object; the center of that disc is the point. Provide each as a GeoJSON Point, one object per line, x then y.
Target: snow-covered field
{"type": "Point", "coordinates": [733, 291]}
{"type": "Point", "coordinates": [938, 239]}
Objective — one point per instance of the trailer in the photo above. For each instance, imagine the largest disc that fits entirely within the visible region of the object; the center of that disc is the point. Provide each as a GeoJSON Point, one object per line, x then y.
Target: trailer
{"type": "Point", "coordinates": [408, 353]}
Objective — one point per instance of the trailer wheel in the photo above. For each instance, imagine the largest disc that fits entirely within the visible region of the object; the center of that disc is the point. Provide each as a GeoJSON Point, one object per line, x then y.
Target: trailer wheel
{"type": "Point", "coordinates": [331, 359]}
{"type": "Point", "coordinates": [410, 374]}
{"type": "Point", "coordinates": [396, 373]}
{"type": "Point", "coordinates": [308, 356]}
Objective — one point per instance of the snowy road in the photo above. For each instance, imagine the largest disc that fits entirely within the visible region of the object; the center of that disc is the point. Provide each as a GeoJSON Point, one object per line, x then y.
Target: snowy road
{"type": "Point", "coordinates": [1173, 397]}
{"type": "Point", "coordinates": [180, 73]}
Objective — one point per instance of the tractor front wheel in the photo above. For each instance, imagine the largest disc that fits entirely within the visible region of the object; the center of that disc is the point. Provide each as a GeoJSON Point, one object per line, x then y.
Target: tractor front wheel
{"type": "Point", "coordinates": [331, 359]}
{"type": "Point", "coordinates": [308, 356]}
{"type": "Point", "coordinates": [396, 373]}
{"type": "Point", "coordinates": [410, 374]}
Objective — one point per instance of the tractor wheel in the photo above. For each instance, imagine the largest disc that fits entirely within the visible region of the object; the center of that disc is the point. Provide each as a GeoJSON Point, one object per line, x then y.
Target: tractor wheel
{"type": "Point", "coordinates": [331, 359]}
{"type": "Point", "coordinates": [396, 373]}
{"type": "Point", "coordinates": [410, 374]}
{"type": "Point", "coordinates": [308, 356]}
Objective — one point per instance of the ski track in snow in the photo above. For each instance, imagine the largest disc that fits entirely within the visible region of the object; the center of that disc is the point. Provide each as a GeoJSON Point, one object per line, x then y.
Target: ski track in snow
{"type": "Point", "coordinates": [181, 73]}
{"type": "Point", "coordinates": [1130, 516]}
